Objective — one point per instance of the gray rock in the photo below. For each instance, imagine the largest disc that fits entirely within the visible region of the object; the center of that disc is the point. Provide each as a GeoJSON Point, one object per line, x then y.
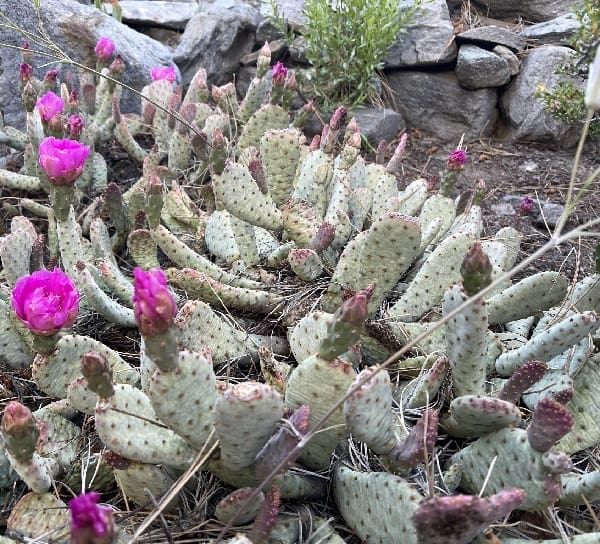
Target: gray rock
{"type": "Point", "coordinates": [490, 36]}
{"type": "Point", "coordinates": [558, 31]}
{"type": "Point", "coordinates": [375, 123]}
{"type": "Point", "coordinates": [503, 209]}
{"type": "Point", "coordinates": [427, 41]}
{"type": "Point", "coordinates": [75, 28]}
{"type": "Point", "coordinates": [477, 68]}
{"type": "Point", "coordinates": [378, 124]}
{"type": "Point", "coordinates": [290, 10]}
{"type": "Point", "coordinates": [216, 39]}
{"type": "Point", "coordinates": [514, 64]}
{"type": "Point", "coordinates": [525, 114]}
{"type": "Point", "coordinates": [158, 13]}
{"type": "Point", "coordinates": [437, 103]}
{"type": "Point", "coordinates": [533, 11]}
{"type": "Point", "coordinates": [266, 31]}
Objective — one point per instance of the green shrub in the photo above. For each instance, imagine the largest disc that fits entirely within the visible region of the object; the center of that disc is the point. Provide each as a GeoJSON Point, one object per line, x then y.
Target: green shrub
{"type": "Point", "coordinates": [347, 41]}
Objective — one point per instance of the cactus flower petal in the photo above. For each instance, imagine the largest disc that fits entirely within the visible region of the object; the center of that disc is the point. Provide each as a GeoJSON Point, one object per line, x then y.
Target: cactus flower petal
{"type": "Point", "coordinates": [62, 159]}
{"type": "Point", "coordinates": [163, 72]}
{"type": "Point", "coordinates": [46, 301]}
{"type": "Point", "coordinates": [50, 105]}
{"type": "Point", "coordinates": [91, 522]}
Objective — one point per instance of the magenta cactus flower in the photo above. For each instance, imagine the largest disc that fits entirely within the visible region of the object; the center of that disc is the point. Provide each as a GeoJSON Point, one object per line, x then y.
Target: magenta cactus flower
{"type": "Point", "coordinates": [153, 303]}
{"type": "Point", "coordinates": [74, 127]}
{"type": "Point", "coordinates": [280, 73]}
{"type": "Point", "coordinates": [163, 72]}
{"type": "Point", "coordinates": [46, 302]}
{"type": "Point", "coordinates": [104, 49]}
{"type": "Point", "coordinates": [91, 523]}
{"type": "Point", "coordinates": [457, 159]}
{"type": "Point", "coordinates": [526, 206]}
{"type": "Point", "coordinates": [62, 159]}
{"type": "Point", "coordinates": [50, 105]}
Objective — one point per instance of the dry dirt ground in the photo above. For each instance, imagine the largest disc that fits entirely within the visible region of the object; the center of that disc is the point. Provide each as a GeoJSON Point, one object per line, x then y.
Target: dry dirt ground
{"type": "Point", "coordinates": [527, 170]}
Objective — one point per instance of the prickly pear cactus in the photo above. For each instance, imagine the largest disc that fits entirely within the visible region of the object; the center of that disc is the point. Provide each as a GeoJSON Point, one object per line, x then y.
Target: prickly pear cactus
{"type": "Point", "coordinates": [233, 317]}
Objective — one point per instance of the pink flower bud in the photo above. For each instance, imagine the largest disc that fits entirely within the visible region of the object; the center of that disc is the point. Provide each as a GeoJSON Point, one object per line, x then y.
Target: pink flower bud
{"type": "Point", "coordinates": [45, 301]}
{"type": "Point", "coordinates": [18, 420]}
{"type": "Point", "coordinates": [104, 49]}
{"type": "Point", "coordinates": [26, 52]}
{"type": "Point", "coordinates": [292, 83]}
{"type": "Point", "coordinates": [62, 159]}
{"type": "Point", "coordinates": [476, 270]}
{"type": "Point", "coordinates": [51, 75]}
{"type": "Point", "coordinates": [354, 310]}
{"type": "Point", "coordinates": [153, 304]}
{"type": "Point", "coordinates": [280, 73]}
{"type": "Point", "coordinates": [74, 99]}
{"type": "Point", "coordinates": [163, 72]}
{"type": "Point", "coordinates": [25, 72]}
{"type": "Point", "coordinates": [74, 127]}
{"type": "Point", "coordinates": [29, 97]}
{"type": "Point", "coordinates": [117, 67]}
{"type": "Point", "coordinates": [526, 206]}
{"type": "Point", "coordinates": [91, 523]}
{"type": "Point", "coordinates": [338, 118]}
{"type": "Point", "coordinates": [49, 105]}
{"type": "Point", "coordinates": [55, 126]}
{"type": "Point", "coordinates": [457, 159]}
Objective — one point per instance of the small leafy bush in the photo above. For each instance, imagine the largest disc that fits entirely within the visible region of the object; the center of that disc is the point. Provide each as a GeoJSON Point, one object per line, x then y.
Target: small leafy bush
{"type": "Point", "coordinates": [565, 101]}
{"type": "Point", "coordinates": [347, 41]}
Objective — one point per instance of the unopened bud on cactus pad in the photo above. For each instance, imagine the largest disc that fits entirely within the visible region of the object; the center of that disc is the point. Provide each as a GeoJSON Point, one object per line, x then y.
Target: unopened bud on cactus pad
{"type": "Point", "coordinates": [526, 206]}
{"type": "Point", "coordinates": [97, 372]}
{"type": "Point", "coordinates": [323, 238]}
{"type": "Point", "coordinates": [117, 67]}
{"type": "Point", "coordinates": [51, 75]}
{"type": "Point", "coordinates": [25, 73]}
{"type": "Point", "coordinates": [346, 325]}
{"type": "Point", "coordinates": [74, 127]}
{"type": "Point", "coordinates": [20, 430]}
{"type": "Point", "coordinates": [257, 171]}
{"type": "Point", "coordinates": [91, 523]}
{"type": "Point", "coordinates": [153, 304]}
{"type": "Point", "coordinates": [73, 101]}
{"type": "Point", "coordinates": [394, 164]}
{"type": "Point", "coordinates": [29, 97]}
{"type": "Point", "coordinates": [26, 53]}
{"type": "Point", "coordinates": [280, 73]}
{"type": "Point", "coordinates": [476, 270]}
{"type": "Point", "coordinates": [338, 118]}
{"type": "Point", "coordinates": [381, 152]}
{"type": "Point", "coordinates": [264, 60]}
